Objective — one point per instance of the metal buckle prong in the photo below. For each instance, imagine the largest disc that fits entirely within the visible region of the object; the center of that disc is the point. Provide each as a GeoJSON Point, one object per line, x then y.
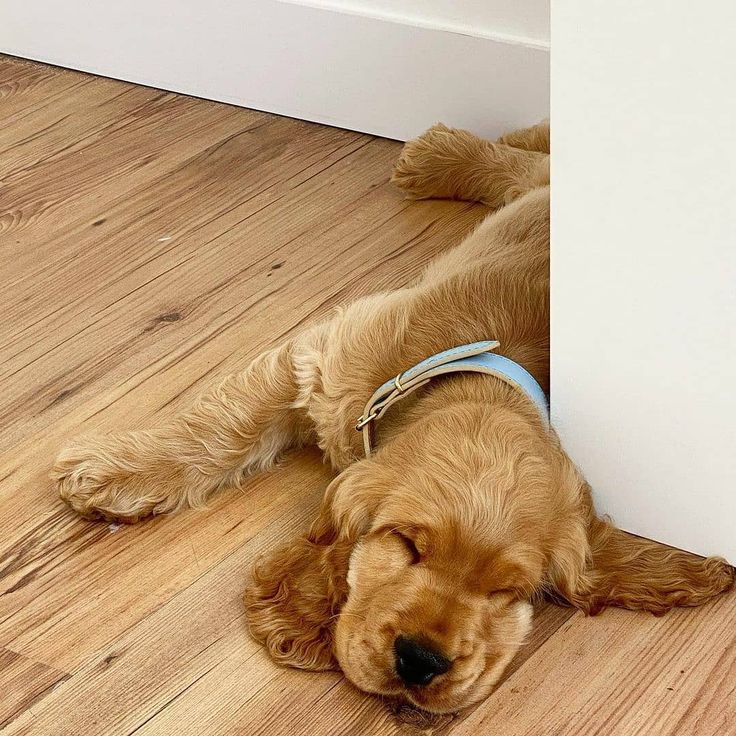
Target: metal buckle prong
{"type": "Point", "coordinates": [362, 421]}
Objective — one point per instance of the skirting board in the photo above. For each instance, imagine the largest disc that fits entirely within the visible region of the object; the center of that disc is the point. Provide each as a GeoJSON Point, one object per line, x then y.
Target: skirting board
{"type": "Point", "coordinates": [373, 75]}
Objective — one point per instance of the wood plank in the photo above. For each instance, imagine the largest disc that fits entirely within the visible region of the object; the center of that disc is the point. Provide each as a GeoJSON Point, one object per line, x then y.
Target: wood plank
{"type": "Point", "coordinates": [624, 674]}
{"type": "Point", "coordinates": [126, 682]}
{"type": "Point", "coordinates": [23, 683]}
{"type": "Point", "coordinates": [49, 131]}
{"type": "Point", "coordinates": [65, 574]}
{"type": "Point", "coordinates": [59, 192]}
{"type": "Point", "coordinates": [26, 87]}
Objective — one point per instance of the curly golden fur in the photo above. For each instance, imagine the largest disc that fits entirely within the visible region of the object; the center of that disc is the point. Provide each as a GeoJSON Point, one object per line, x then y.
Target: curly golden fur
{"type": "Point", "coordinates": [469, 508]}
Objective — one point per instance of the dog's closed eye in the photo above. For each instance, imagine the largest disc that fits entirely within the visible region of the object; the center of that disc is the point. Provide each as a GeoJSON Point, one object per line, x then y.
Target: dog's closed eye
{"type": "Point", "coordinates": [503, 593]}
{"type": "Point", "coordinates": [410, 545]}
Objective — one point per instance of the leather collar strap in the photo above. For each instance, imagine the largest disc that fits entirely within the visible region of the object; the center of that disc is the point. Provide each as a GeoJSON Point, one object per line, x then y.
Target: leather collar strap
{"type": "Point", "coordinates": [475, 358]}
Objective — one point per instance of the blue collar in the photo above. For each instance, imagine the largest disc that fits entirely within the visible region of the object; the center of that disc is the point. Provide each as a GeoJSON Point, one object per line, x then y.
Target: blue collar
{"type": "Point", "coordinates": [476, 357]}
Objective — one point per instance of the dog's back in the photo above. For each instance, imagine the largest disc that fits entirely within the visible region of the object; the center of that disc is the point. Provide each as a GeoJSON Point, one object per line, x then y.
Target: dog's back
{"type": "Point", "coordinates": [494, 285]}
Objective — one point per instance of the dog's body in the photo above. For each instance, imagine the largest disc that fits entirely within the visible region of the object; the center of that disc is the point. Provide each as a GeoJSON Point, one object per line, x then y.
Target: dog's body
{"type": "Point", "coordinates": [418, 573]}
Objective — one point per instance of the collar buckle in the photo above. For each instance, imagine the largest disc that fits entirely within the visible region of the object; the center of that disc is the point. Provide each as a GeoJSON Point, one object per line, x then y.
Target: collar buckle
{"type": "Point", "coordinates": [478, 357]}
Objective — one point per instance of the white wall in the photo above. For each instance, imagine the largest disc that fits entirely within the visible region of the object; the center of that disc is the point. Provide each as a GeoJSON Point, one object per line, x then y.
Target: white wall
{"type": "Point", "coordinates": [389, 74]}
{"type": "Point", "coordinates": [644, 262]}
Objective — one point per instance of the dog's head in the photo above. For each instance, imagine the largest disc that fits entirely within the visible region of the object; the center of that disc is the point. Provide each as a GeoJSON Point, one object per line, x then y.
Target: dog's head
{"type": "Point", "coordinates": [418, 575]}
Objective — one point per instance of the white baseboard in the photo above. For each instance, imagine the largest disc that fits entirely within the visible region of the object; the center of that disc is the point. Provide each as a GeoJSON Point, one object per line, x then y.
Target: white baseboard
{"type": "Point", "coordinates": [375, 75]}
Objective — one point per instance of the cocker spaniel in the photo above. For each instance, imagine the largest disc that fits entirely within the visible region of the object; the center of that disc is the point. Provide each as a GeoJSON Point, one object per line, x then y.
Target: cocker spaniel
{"type": "Point", "coordinates": [417, 578]}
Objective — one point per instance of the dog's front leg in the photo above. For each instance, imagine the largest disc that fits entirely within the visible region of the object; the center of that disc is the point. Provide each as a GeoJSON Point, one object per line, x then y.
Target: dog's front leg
{"type": "Point", "coordinates": [240, 426]}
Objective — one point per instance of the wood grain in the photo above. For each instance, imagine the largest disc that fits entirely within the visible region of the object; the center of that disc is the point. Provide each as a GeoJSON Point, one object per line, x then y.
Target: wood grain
{"type": "Point", "coordinates": [151, 243]}
{"type": "Point", "coordinates": [625, 674]}
{"type": "Point", "coordinates": [23, 683]}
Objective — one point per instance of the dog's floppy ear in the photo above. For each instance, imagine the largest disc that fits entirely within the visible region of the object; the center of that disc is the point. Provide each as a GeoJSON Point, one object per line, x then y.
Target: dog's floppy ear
{"type": "Point", "coordinates": [639, 574]}
{"type": "Point", "coordinates": [298, 590]}
{"type": "Point", "coordinates": [597, 565]}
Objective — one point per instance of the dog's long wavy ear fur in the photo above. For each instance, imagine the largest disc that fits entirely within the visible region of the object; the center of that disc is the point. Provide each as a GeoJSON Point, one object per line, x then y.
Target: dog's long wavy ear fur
{"type": "Point", "coordinates": [298, 590]}
{"type": "Point", "coordinates": [608, 567]}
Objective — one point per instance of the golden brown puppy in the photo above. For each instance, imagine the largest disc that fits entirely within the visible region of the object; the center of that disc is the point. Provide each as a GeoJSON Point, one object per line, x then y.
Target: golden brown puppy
{"type": "Point", "coordinates": [418, 575]}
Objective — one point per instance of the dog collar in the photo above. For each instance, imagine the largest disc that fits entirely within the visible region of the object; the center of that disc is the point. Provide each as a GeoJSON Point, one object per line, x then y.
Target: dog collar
{"type": "Point", "coordinates": [476, 357]}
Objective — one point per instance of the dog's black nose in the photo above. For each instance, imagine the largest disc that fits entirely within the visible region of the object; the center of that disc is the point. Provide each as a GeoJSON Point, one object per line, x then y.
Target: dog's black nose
{"type": "Point", "coordinates": [417, 664]}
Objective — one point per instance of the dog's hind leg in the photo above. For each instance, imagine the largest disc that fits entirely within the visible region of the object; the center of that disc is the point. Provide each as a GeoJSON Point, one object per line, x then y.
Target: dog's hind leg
{"type": "Point", "coordinates": [535, 138]}
{"type": "Point", "coordinates": [446, 163]}
{"type": "Point", "coordinates": [239, 427]}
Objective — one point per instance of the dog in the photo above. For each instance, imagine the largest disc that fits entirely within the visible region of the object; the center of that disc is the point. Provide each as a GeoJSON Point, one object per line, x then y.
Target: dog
{"type": "Point", "coordinates": [459, 509]}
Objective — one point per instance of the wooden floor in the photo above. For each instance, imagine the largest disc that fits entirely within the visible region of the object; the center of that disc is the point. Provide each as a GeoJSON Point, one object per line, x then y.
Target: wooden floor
{"type": "Point", "coordinates": [149, 244]}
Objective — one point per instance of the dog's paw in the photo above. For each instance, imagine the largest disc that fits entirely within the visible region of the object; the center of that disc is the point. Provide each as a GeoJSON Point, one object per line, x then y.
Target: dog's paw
{"type": "Point", "coordinates": [422, 167]}
{"type": "Point", "coordinates": [719, 575]}
{"type": "Point", "coordinates": [94, 478]}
